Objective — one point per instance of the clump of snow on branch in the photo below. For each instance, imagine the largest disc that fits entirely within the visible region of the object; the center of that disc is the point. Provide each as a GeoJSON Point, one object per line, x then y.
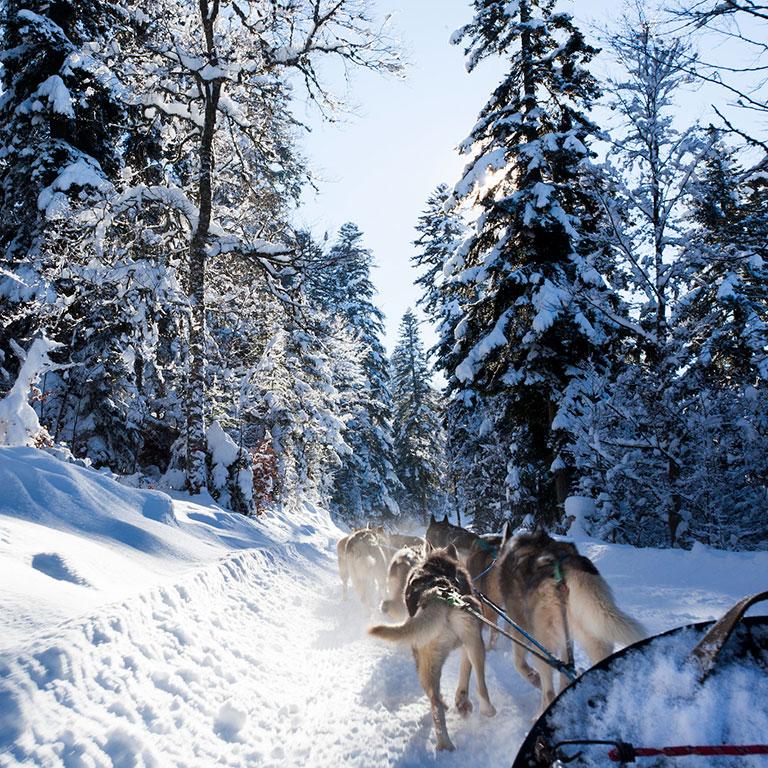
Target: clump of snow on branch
{"type": "Point", "coordinates": [230, 471]}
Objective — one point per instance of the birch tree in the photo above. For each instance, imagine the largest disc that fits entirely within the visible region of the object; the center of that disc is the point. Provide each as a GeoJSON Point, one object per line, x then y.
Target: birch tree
{"type": "Point", "coordinates": [207, 74]}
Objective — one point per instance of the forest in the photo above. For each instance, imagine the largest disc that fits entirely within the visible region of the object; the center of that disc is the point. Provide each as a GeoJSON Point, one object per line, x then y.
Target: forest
{"type": "Point", "coordinates": [599, 288]}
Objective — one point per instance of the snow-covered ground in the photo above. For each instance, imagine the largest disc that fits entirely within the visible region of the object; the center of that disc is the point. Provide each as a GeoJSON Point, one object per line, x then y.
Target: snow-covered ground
{"type": "Point", "coordinates": [136, 630]}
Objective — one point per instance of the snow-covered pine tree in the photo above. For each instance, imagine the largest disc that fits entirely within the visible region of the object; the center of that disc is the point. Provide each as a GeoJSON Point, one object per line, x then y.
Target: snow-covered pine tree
{"type": "Point", "coordinates": [475, 461]}
{"type": "Point", "coordinates": [724, 314]}
{"type": "Point", "coordinates": [528, 284]}
{"type": "Point", "coordinates": [339, 282]}
{"type": "Point", "coordinates": [635, 438]}
{"type": "Point", "coordinates": [59, 145]}
{"type": "Point", "coordinates": [67, 140]}
{"type": "Point", "coordinates": [440, 231]}
{"type": "Point", "coordinates": [419, 441]}
{"type": "Point", "coordinates": [723, 320]}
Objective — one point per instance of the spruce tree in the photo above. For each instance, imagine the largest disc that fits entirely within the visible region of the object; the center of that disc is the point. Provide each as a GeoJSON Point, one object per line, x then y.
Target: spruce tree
{"type": "Point", "coordinates": [339, 281]}
{"type": "Point", "coordinates": [419, 442]}
{"type": "Point", "coordinates": [526, 278]}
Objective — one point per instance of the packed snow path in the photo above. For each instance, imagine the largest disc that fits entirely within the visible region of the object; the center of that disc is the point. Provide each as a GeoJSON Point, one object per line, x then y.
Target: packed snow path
{"type": "Point", "coordinates": [204, 638]}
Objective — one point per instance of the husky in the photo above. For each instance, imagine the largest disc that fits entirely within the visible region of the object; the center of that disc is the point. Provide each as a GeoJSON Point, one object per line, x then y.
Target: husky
{"type": "Point", "coordinates": [527, 580]}
{"type": "Point", "coordinates": [363, 562]}
{"type": "Point", "coordinates": [400, 566]}
{"type": "Point", "coordinates": [437, 624]}
{"type": "Point", "coordinates": [441, 534]}
{"type": "Point", "coordinates": [481, 562]}
{"type": "Point", "coordinates": [398, 540]}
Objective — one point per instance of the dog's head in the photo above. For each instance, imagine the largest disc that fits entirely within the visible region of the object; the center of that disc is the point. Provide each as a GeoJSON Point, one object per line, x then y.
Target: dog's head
{"type": "Point", "coordinates": [441, 533]}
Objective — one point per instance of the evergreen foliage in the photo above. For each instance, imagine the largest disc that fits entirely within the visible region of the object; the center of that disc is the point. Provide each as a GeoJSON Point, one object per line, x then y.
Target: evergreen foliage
{"type": "Point", "coordinates": [524, 278]}
{"type": "Point", "coordinates": [419, 442]}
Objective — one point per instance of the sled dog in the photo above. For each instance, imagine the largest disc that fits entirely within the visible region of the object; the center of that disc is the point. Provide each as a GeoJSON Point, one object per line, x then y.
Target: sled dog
{"type": "Point", "coordinates": [364, 563]}
{"type": "Point", "coordinates": [434, 627]}
{"type": "Point", "coordinates": [441, 534]}
{"type": "Point", "coordinates": [398, 540]}
{"type": "Point", "coordinates": [527, 579]}
{"type": "Point", "coordinates": [400, 566]}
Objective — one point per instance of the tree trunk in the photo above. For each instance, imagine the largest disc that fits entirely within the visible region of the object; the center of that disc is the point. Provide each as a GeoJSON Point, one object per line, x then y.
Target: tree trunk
{"type": "Point", "coordinates": [674, 518]}
{"type": "Point", "coordinates": [196, 440]}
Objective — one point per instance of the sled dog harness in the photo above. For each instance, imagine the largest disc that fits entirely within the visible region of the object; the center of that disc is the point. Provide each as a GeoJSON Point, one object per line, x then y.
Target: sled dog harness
{"type": "Point", "coordinates": [452, 597]}
{"type": "Point", "coordinates": [562, 593]}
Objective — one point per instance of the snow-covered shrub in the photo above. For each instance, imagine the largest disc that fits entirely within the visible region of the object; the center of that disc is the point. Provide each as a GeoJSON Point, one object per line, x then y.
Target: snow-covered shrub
{"type": "Point", "coordinates": [19, 424]}
{"type": "Point", "coordinates": [230, 471]}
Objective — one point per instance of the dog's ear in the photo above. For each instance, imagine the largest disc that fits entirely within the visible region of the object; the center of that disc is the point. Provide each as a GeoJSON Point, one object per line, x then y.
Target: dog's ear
{"type": "Point", "coordinates": [445, 520]}
{"type": "Point", "coordinates": [506, 533]}
{"type": "Point", "coordinates": [428, 548]}
{"type": "Point", "coordinates": [452, 552]}
{"type": "Point", "coordinates": [432, 520]}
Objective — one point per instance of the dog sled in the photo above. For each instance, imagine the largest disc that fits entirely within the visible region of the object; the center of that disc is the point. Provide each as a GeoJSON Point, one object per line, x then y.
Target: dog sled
{"type": "Point", "coordinates": [697, 691]}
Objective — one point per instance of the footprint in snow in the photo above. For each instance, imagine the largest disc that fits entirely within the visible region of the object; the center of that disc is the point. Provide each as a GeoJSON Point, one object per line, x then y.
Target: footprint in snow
{"type": "Point", "coordinates": [54, 565]}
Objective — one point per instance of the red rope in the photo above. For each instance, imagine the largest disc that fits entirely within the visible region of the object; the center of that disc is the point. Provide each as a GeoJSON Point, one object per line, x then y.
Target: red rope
{"type": "Point", "coordinates": [724, 749]}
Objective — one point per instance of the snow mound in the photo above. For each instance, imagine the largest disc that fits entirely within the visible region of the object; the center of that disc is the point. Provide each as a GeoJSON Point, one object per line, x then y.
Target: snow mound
{"type": "Point", "coordinates": [73, 539]}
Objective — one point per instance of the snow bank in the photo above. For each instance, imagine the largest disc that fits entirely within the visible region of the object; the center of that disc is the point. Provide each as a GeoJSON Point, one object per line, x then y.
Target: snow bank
{"type": "Point", "coordinates": [72, 539]}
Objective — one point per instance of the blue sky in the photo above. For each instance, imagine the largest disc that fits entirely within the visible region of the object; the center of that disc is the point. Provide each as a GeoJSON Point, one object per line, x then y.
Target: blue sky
{"type": "Point", "coordinates": [378, 166]}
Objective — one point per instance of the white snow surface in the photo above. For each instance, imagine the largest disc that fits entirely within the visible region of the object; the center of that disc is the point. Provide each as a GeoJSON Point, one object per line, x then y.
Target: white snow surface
{"type": "Point", "coordinates": [141, 630]}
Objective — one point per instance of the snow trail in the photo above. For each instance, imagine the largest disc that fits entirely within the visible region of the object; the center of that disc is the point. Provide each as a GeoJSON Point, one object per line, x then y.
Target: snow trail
{"type": "Point", "coordinates": [252, 658]}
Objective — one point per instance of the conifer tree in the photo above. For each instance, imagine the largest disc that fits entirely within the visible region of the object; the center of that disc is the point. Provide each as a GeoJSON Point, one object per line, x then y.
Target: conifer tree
{"type": "Point", "coordinates": [339, 281]}
{"type": "Point", "coordinates": [419, 442]}
{"type": "Point", "coordinates": [526, 277]}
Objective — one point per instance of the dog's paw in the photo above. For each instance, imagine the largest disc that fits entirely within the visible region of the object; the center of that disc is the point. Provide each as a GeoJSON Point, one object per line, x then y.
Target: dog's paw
{"type": "Point", "coordinates": [445, 745]}
{"type": "Point", "coordinates": [487, 709]}
{"type": "Point", "coordinates": [463, 705]}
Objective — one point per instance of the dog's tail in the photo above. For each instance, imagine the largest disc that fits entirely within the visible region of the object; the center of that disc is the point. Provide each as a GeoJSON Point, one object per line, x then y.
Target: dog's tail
{"type": "Point", "coordinates": [419, 629]}
{"type": "Point", "coordinates": [592, 606]}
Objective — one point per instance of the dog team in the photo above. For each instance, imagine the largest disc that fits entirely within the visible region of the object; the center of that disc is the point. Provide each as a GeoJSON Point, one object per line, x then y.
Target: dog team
{"type": "Point", "coordinates": [429, 585]}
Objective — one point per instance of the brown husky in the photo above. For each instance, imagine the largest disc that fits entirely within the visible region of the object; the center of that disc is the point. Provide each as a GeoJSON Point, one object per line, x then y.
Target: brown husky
{"type": "Point", "coordinates": [362, 561]}
{"type": "Point", "coordinates": [435, 626]}
{"type": "Point", "coordinates": [442, 533]}
{"type": "Point", "coordinates": [527, 578]}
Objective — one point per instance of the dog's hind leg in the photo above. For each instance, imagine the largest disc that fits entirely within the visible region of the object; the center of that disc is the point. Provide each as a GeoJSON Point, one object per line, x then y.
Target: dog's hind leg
{"type": "Point", "coordinates": [547, 683]}
{"type": "Point", "coordinates": [597, 648]}
{"type": "Point", "coordinates": [476, 652]}
{"type": "Point", "coordinates": [463, 704]}
{"type": "Point", "coordinates": [430, 666]}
